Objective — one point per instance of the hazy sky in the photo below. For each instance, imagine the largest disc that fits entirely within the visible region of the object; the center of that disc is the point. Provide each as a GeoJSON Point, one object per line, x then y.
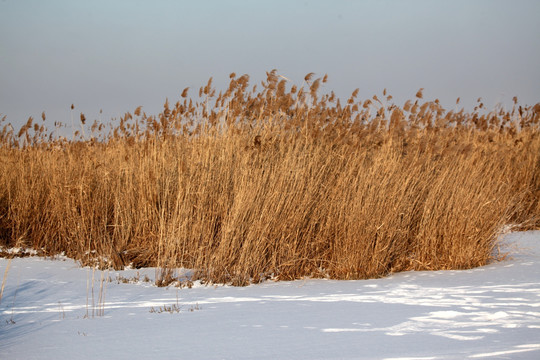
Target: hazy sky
{"type": "Point", "coordinates": [117, 55]}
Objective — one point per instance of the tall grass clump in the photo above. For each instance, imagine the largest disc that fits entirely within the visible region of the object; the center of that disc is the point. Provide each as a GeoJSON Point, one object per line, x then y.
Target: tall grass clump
{"type": "Point", "coordinates": [279, 182]}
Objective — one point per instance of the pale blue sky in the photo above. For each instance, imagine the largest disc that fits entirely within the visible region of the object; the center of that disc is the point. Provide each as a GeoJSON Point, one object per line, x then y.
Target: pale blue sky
{"type": "Point", "coordinates": [117, 55]}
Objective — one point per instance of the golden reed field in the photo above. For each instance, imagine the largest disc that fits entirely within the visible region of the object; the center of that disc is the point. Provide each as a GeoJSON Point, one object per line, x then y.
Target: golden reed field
{"type": "Point", "coordinates": [274, 181]}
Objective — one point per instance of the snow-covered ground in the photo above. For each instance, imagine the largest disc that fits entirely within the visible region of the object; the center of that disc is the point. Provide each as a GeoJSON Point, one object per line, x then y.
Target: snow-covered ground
{"type": "Point", "coordinates": [491, 312]}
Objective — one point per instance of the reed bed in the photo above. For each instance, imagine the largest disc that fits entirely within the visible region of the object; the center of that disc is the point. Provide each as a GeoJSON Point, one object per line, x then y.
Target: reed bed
{"type": "Point", "coordinates": [281, 182]}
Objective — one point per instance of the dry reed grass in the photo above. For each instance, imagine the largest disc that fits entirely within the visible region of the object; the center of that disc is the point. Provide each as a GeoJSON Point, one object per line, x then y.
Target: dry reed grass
{"type": "Point", "coordinates": [281, 182]}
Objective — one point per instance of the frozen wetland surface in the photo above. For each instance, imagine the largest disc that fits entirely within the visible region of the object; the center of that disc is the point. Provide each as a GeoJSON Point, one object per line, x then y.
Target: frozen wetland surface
{"type": "Point", "coordinates": [492, 312]}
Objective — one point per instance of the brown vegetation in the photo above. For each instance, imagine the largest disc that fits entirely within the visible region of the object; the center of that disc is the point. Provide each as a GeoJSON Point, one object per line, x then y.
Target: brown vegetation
{"type": "Point", "coordinates": [281, 182]}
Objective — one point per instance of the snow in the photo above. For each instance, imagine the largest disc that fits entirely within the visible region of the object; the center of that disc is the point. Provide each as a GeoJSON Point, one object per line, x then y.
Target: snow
{"type": "Point", "coordinates": [492, 312]}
